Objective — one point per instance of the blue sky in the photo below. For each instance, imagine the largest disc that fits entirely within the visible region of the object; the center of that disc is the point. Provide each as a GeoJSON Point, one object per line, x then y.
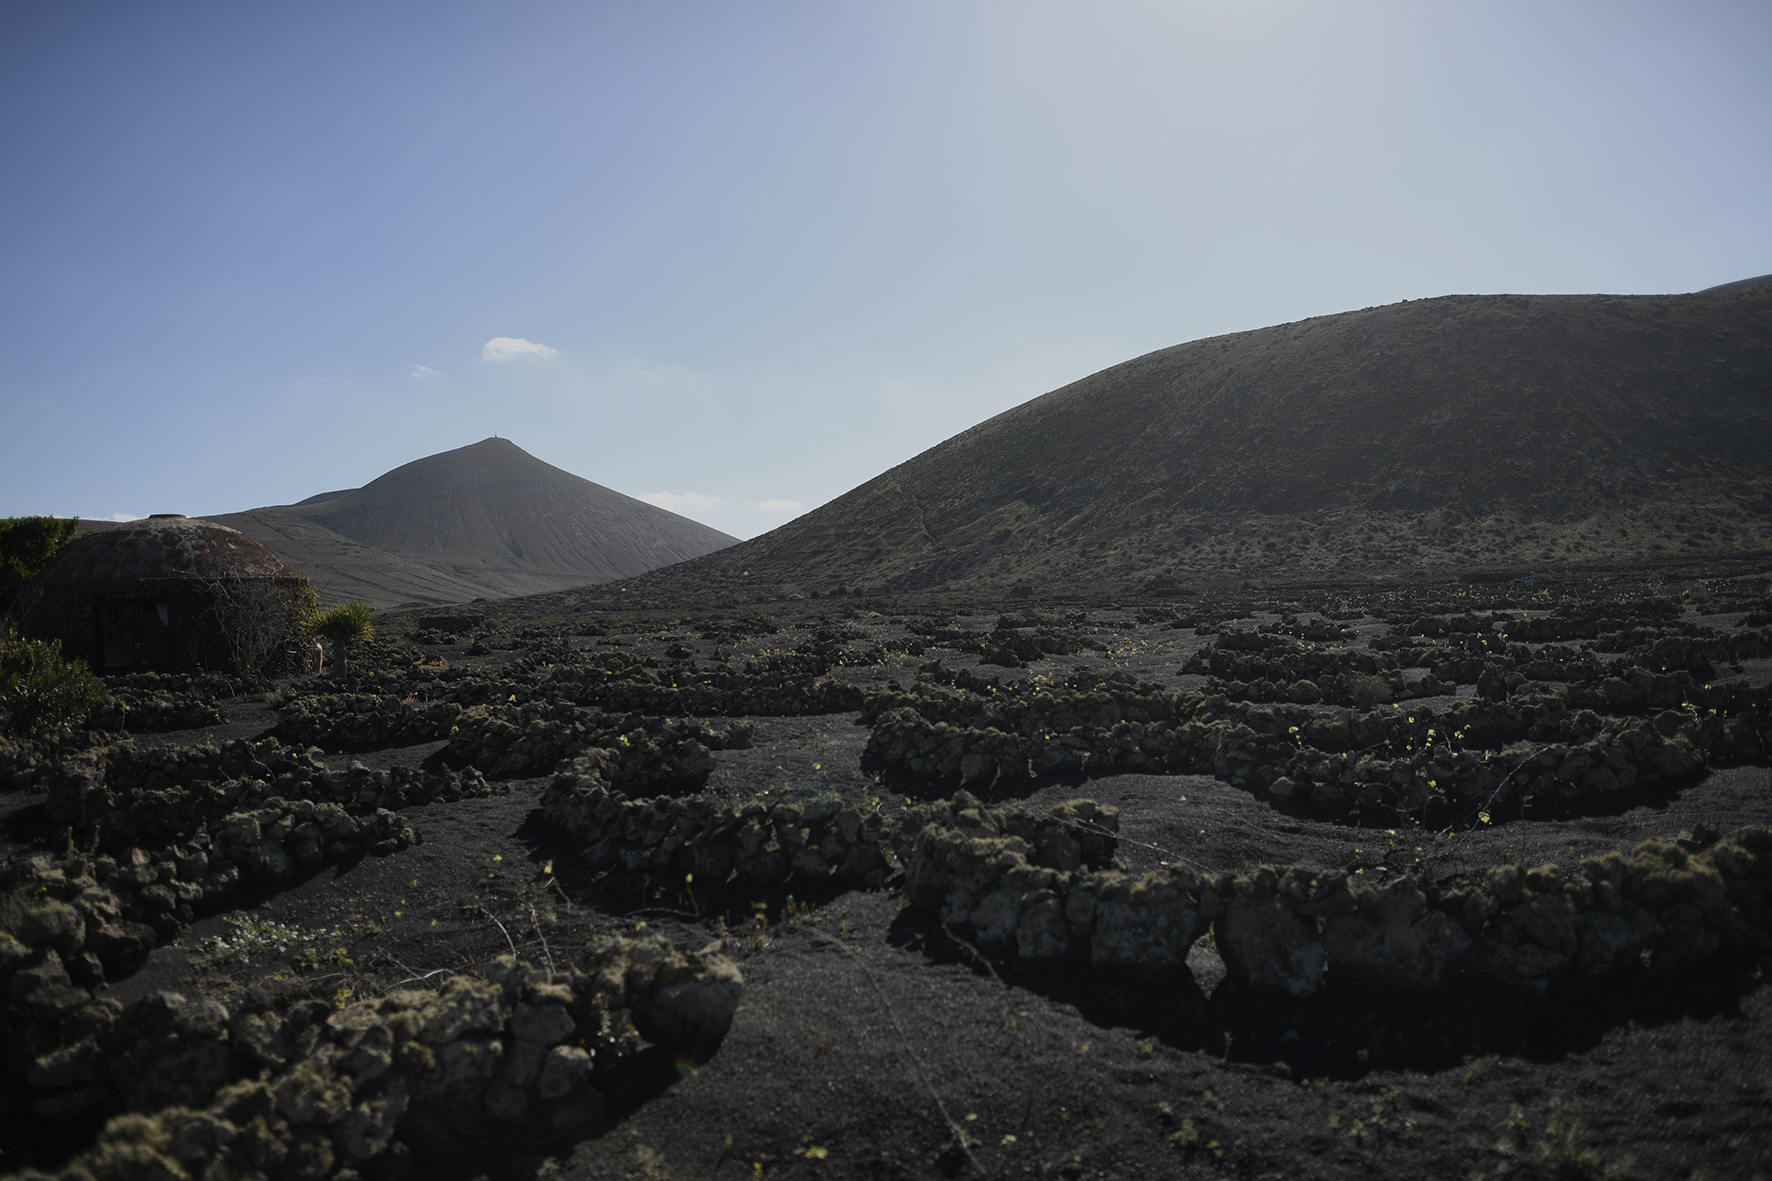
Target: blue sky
{"type": "Point", "coordinates": [745, 256]}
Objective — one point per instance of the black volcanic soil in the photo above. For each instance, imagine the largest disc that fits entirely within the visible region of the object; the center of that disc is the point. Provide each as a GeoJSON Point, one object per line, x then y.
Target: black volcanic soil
{"type": "Point", "coordinates": [870, 1044]}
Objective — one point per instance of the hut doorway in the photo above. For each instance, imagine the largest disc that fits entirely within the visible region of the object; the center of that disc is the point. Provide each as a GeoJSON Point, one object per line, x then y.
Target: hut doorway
{"type": "Point", "coordinates": [135, 634]}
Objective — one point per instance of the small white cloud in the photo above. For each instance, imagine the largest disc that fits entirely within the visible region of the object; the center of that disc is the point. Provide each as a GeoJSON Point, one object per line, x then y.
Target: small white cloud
{"type": "Point", "coordinates": [424, 371]}
{"type": "Point", "coordinates": [792, 508]}
{"type": "Point", "coordinates": [515, 348]}
{"type": "Point", "coordinates": [681, 502]}
{"type": "Point", "coordinates": [121, 517]}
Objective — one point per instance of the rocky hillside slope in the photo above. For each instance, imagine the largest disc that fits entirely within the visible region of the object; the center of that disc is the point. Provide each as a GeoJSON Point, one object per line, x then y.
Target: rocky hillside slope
{"type": "Point", "coordinates": [1467, 434]}
{"type": "Point", "coordinates": [488, 520]}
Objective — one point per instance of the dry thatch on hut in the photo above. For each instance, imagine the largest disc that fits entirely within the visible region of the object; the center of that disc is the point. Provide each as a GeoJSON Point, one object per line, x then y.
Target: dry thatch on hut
{"type": "Point", "coordinates": [166, 594]}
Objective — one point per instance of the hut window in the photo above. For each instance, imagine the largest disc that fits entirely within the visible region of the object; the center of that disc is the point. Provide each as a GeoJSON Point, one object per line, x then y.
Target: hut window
{"type": "Point", "coordinates": [137, 633]}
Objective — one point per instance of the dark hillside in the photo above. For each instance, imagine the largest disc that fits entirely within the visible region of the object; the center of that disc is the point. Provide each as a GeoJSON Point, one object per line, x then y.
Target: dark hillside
{"type": "Point", "coordinates": [485, 520]}
{"type": "Point", "coordinates": [494, 504]}
{"type": "Point", "coordinates": [1455, 435]}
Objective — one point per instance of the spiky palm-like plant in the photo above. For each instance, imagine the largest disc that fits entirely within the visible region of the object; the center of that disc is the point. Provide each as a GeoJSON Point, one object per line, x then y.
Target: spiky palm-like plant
{"type": "Point", "coordinates": [342, 625]}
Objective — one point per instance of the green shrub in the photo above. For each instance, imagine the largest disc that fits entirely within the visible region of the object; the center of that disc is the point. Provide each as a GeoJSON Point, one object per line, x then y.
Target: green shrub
{"type": "Point", "coordinates": [1369, 691]}
{"type": "Point", "coordinates": [26, 545]}
{"type": "Point", "coordinates": [39, 691]}
{"type": "Point", "coordinates": [12, 911]}
{"type": "Point", "coordinates": [1565, 1141]}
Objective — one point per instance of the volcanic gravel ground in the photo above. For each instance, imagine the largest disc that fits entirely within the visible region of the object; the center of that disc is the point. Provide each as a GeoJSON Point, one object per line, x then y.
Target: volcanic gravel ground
{"type": "Point", "coordinates": [872, 1044]}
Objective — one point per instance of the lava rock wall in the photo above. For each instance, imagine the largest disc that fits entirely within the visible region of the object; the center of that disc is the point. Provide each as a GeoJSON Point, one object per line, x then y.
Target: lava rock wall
{"type": "Point", "coordinates": [1287, 929]}
{"type": "Point", "coordinates": [314, 1091]}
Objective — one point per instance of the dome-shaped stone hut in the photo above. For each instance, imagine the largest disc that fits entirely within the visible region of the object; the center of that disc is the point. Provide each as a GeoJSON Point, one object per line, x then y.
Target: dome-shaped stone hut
{"type": "Point", "coordinates": [165, 594]}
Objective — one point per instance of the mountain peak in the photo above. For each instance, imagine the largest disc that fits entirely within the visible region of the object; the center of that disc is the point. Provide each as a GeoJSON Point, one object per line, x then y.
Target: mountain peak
{"type": "Point", "coordinates": [492, 504]}
{"type": "Point", "coordinates": [488, 513]}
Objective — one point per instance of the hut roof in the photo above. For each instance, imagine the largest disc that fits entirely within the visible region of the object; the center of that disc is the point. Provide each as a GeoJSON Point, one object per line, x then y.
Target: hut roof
{"type": "Point", "coordinates": [162, 547]}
